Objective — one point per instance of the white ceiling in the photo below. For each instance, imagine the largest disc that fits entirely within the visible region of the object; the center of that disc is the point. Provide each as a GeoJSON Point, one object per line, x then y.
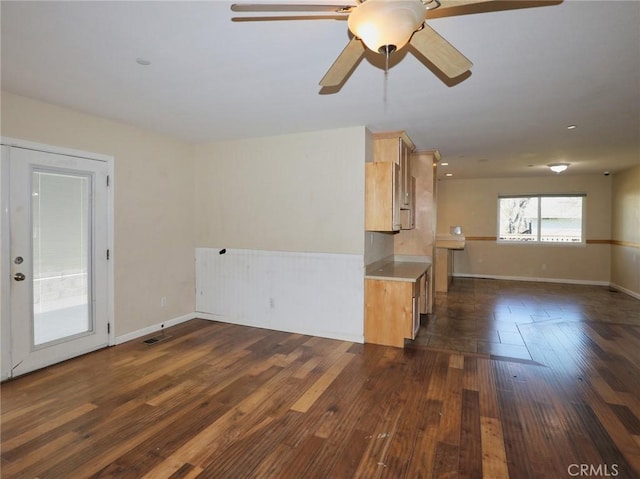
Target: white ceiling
{"type": "Point", "coordinates": [536, 71]}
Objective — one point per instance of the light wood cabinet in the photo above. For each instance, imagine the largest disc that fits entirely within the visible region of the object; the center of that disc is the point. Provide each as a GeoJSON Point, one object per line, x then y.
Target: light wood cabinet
{"type": "Point", "coordinates": [405, 167]}
{"type": "Point", "coordinates": [408, 215]}
{"type": "Point", "coordinates": [382, 197]}
{"type": "Point", "coordinates": [392, 310]}
{"type": "Point", "coordinates": [396, 147]}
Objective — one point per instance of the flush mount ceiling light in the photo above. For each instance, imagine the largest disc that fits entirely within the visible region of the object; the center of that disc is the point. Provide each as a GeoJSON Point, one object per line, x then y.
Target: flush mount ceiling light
{"type": "Point", "coordinates": [558, 167]}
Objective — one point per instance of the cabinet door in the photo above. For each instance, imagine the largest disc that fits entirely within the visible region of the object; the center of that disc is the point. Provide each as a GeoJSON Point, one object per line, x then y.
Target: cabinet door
{"type": "Point", "coordinates": [388, 316]}
{"type": "Point", "coordinates": [424, 292]}
{"type": "Point", "coordinates": [415, 314]}
{"type": "Point", "coordinates": [408, 215]}
{"type": "Point", "coordinates": [416, 317]}
{"type": "Point", "coordinates": [382, 197]}
{"type": "Point", "coordinates": [405, 170]}
{"type": "Point", "coordinates": [396, 147]}
{"type": "Point", "coordinates": [397, 199]}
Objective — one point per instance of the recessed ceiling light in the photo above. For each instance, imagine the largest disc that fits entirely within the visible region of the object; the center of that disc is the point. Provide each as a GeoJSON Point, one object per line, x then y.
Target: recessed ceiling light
{"type": "Point", "coordinates": [572, 127]}
{"type": "Point", "coordinates": [143, 62]}
{"type": "Point", "coordinates": [444, 164]}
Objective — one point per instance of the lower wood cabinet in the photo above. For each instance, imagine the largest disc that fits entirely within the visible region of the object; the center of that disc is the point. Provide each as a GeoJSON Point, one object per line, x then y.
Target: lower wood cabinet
{"type": "Point", "coordinates": [392, 310]}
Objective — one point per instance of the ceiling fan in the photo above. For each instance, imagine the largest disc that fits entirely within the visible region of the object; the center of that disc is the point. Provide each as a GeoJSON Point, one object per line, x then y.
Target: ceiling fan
{"type": "Point", "coordinates": [383, 26]}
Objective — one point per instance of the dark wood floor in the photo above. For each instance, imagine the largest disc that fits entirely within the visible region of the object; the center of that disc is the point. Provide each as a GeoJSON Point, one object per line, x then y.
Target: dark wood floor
{"type": "Point", "coordinates": [226, 401]}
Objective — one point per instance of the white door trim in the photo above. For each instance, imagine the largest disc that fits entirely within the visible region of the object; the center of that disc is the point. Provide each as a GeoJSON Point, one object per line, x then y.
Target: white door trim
{"type": "Point", "coordinates": [5, 234]}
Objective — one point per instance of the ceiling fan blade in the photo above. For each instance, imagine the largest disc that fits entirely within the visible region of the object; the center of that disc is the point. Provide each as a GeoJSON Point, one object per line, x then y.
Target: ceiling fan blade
{"type": "Point", "coordinates": [450, 8]}
{"type": "Point", "coordinates": [272, 18]}
{"type": "Point", "coordinates": [283, 7]}
{"type": "Point", "coordinates": [460, 3]}
{"type": "Point", "coordinates": [344, 64]}
{"type": "Point", "coordinates": [440, 52]}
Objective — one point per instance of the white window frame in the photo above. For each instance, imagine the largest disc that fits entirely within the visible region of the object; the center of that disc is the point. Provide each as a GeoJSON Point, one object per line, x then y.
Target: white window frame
{"type": "Point", "coordinates": [537, 241]}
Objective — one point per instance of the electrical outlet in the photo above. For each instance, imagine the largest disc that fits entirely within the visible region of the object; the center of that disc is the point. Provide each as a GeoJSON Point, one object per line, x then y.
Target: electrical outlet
{"type": "Point", "coordinates": [163, 302]}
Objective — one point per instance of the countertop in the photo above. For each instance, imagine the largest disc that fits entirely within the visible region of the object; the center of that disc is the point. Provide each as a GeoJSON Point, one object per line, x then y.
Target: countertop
{"type": "Point", "coordinates": [450, 241]}
{"type": "Point", "coordinates": [397, 270]}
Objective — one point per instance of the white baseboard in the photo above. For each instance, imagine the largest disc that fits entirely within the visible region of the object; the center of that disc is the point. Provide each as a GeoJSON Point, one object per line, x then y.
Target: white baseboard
{"type": "Point", "coordinates": [153, 328]}
{"type": "Point", "coordinates": [633, 294]}
{"type": "Point", "coordinates": [533, 279]}
{"type": "Point", "coordinates": [321, 333]}
{"type": "Point", "coordinates": [625, 290]}
{"type": "Point", "coordinates": [341, 336]}
{"type": "Point", "coordinates": [226, 319]}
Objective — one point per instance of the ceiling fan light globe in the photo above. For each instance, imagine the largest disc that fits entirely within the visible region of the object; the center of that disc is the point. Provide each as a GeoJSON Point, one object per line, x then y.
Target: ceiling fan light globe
{"type": "Point", "coordinates": [382, 24]}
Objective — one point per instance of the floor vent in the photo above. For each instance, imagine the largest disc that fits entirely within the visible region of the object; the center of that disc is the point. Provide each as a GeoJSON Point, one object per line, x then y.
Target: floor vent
{"type": "Point", "coordinates": [156, 339]}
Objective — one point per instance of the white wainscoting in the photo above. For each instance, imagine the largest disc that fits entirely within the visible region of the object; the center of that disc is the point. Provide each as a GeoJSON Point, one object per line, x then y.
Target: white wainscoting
{"type": "Point", "coordinates": [318, 294]}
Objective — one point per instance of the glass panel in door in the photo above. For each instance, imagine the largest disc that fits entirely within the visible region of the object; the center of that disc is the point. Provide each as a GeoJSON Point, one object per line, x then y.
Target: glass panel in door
{"type": "Point", "coordinates": [61, 222]}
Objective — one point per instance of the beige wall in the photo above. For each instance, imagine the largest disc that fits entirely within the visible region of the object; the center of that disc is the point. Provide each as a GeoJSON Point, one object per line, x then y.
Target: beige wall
{"type": "Point", "coordinates": [153, 210]}
{"type": "Point", "coordinates": [625, 258]}
{"type": "Point", "coordinates": [473, 204]}
{"type": "Point", "coordinates": [299, 193]}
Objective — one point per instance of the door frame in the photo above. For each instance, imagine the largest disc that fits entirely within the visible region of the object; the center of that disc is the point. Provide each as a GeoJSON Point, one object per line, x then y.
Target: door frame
{"type": "Point", "coordinates": [5, 235]}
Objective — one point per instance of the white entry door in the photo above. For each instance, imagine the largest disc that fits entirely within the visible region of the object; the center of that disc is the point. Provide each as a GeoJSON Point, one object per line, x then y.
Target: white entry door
{"type": "Point", "coordinates": [58, 222]}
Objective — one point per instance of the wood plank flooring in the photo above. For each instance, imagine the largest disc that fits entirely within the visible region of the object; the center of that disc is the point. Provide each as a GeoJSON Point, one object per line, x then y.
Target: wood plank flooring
{"type": "Point", "coordinates": [225, 401]}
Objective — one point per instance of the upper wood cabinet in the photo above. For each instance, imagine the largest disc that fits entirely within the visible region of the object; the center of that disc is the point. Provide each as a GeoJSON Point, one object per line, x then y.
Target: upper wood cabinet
{"type": "Point", "coordinates": [408, 215]}
{"type": "Point", "coordinates": [397, 147]}
{"type": "Point", "coordinates": [382, 197]}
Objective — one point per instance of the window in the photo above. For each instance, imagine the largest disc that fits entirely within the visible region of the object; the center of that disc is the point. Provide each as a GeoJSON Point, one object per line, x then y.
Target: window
{"type": "Point", "coordinates": [541, 218]}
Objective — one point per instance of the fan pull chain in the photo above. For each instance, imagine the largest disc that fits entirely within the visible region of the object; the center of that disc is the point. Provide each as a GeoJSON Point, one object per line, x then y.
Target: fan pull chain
{"type": "Point", "coordinates": [386, 62]}
{"type": "Point", "coordinates": [386, 77]}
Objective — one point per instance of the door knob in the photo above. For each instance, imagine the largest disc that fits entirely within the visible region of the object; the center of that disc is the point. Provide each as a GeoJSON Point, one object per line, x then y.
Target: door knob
{"type": "Point", "coordinates": [19, 277]}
